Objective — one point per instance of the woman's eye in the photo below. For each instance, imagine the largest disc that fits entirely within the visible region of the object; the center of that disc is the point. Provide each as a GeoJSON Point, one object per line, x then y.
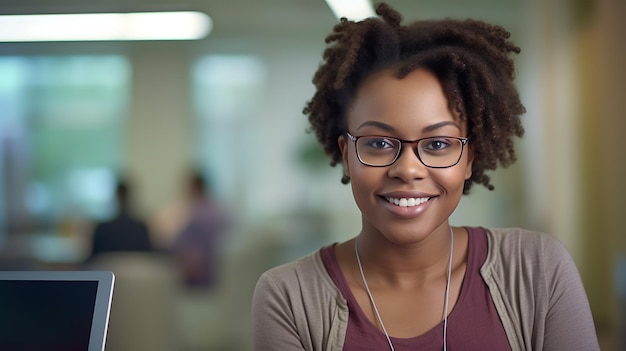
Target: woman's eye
{"type": "Point", "coordinates": [379, 143]}
{"type": "Point", "coordinates": [438, 144]}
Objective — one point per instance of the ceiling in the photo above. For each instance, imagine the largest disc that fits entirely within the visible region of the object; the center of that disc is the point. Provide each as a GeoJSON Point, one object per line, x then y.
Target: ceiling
{"type": "Point", "coordinates": [278, 18]}
{"type": "Point", "coordinates": [231, 18]}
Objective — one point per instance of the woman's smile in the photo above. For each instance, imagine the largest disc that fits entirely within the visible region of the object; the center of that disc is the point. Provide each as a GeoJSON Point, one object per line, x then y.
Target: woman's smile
{"type": "Point", "coordinates": [407, 202]}
{"type": "Point", "coordinates": [407, 206]}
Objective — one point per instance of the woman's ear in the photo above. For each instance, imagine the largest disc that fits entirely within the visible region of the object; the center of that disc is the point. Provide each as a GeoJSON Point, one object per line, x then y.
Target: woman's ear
{"type": "Point", "coordinates": [470, 162]}
{"type": "Point", "coordinates": [343, 146]}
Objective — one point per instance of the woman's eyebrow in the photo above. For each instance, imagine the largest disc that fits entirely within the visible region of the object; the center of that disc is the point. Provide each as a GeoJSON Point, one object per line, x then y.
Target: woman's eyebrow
{"type": "Point", "coordinates": [377, 124]}
{"type": "Point", "coordinates": [442, 124]}
{"type": "Point", "coordinates": [426, 129]}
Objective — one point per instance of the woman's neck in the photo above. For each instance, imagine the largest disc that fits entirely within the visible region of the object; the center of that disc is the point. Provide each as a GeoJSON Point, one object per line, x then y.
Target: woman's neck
{"type": "Point", "coordinates": [405, 264]}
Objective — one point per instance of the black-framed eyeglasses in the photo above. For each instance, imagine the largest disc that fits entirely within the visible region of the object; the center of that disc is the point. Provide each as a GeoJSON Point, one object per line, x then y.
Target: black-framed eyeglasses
{"type": "Point", "coordinates": [433, 152]}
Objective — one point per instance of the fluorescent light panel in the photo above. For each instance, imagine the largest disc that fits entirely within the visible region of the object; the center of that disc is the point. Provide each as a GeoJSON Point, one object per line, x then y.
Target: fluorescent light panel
{"type": "Point", "coordinates": [355, 10]}
{"type": "Point", "coordinates": [180, 25]}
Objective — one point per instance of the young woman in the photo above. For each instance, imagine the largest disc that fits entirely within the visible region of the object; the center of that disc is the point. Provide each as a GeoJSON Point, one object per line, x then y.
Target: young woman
{"type": "Point", "coordinates": [416, 115]}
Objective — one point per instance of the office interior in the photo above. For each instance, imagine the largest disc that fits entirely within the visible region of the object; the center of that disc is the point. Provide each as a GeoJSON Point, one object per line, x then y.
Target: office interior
{"type": "Point", "coordinates": [73, 115]}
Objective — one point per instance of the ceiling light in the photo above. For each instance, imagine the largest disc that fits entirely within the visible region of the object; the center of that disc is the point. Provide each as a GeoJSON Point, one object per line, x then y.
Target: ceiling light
{"type": "Point", "coordinates": [355, 10]}
{"type": "Point", "coordinates": [181, 25]}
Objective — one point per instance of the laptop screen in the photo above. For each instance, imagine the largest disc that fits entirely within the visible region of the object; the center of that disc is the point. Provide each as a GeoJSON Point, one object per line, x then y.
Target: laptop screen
{"type": "Point", "coordinates": [54, 310]}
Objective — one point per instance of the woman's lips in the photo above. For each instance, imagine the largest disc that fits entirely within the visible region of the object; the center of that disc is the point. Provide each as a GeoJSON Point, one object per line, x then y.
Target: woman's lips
{"type": "Point", "coordinates": [407, 206]}
{"type": "Point", "coordinates": [407, 201]}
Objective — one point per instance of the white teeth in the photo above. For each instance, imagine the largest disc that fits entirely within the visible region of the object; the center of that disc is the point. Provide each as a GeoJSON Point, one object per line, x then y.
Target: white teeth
{"type": "Point", "coordinates": [407, 202]}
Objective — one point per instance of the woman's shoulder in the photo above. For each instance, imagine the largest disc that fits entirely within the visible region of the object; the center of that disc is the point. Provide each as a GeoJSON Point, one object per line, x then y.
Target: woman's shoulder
{"type": "Point", "coordinates": [290, 270]}
{"type": "Point", "coordinates": [296, 305]}
{"type": "Point", "coordinates": [515, 239]}
{"type": "Point", "coordinates": [307, 273]}
{"type": "Point", "coordinates": [519, 248]}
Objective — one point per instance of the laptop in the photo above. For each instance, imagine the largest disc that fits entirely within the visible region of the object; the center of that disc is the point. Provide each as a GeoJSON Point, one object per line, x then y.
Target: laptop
{"type": "Point", "coordinates": [54, 310]}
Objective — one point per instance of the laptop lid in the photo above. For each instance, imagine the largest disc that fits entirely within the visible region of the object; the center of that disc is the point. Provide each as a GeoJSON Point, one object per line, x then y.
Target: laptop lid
{"type": "Point", "coordinates": [54, 310]}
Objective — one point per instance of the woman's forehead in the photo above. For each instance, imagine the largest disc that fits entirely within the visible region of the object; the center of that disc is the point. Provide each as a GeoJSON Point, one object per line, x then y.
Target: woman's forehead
{"type": "Point", "coordinates": [420, 92]}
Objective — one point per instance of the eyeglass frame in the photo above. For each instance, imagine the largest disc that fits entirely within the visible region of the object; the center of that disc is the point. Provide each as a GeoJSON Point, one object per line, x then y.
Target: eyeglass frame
{"type": "Point", "coordinates": [413, 143]}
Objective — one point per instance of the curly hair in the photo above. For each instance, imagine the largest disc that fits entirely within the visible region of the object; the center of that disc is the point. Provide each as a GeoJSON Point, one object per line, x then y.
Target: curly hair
{"type": "Point", "coordinates": [470, 58]}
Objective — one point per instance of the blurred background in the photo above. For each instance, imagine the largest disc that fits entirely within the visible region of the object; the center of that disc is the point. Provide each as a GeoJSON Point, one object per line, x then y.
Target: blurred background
{"type": "Point", "coordinates": [76, 118]}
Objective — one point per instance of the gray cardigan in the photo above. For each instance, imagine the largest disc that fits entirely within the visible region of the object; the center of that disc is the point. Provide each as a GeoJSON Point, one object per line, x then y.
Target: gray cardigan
{"type": "Point", "coordinates": [533, 281]}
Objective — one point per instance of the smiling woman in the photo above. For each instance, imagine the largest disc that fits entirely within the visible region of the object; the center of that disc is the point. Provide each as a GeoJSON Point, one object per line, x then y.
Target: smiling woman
{"type": "Point", "coordinates": [417, 114]}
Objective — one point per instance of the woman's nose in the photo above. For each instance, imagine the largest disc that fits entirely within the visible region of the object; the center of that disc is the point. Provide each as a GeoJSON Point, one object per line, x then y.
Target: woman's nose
{"type": "Point", "coordinates": [408, 165]}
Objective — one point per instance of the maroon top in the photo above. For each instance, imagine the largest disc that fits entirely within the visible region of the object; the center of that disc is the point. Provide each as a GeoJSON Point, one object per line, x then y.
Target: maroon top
{"type": "Point", "coordinates": [473, 324]}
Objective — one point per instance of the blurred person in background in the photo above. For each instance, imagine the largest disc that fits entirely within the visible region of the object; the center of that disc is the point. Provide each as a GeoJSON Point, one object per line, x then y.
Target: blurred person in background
{"type": "Point", "coordinates": [417, 114]}
{"type": "Point", "coordinates": [198, 242]}
{"type": "Point", "coordinates": [125, 231]}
